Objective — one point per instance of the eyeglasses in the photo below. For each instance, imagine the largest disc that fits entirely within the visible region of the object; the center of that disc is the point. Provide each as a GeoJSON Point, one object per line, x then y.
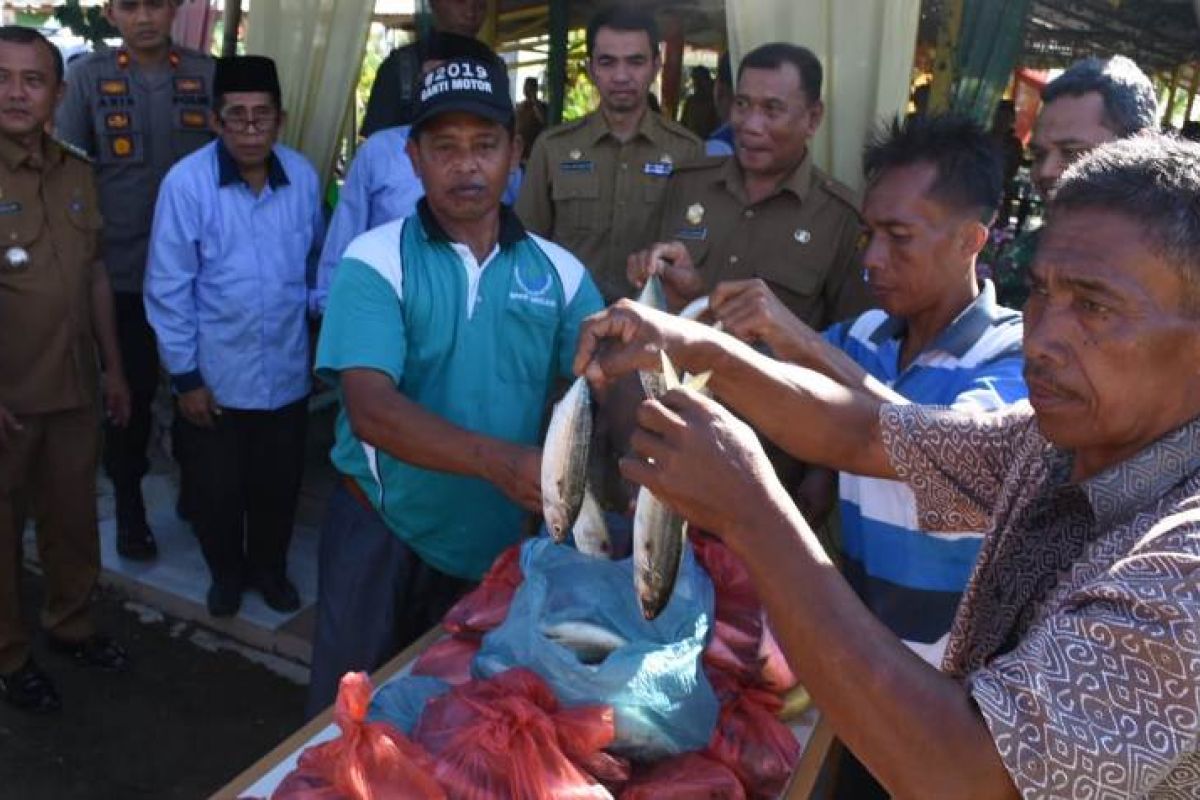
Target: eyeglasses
{"type": "Point", "coordinates": [263, 122]}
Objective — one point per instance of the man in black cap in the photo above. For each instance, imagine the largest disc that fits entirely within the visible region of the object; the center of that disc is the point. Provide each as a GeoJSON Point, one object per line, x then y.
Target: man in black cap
{"type": "Point", "coordinates": [444, 333]}
{"type": "Point", "coordinates": [236, 225]}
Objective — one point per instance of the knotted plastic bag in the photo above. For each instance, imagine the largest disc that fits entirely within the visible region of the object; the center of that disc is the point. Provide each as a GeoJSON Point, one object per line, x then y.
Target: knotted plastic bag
{"type": "Point", "coordinates": [500, 739]}
{"type": "Point", "coordinates": [650, 674]}
{"type": "Point", "coordinates": [368, 761]}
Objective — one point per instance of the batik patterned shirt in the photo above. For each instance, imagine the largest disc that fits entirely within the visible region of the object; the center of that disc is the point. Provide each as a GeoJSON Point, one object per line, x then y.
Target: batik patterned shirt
{"type": "Point", "coordinates": [1079, 633]}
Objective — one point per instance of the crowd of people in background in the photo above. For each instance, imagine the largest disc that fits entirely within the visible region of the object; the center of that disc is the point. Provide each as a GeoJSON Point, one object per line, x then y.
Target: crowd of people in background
{"type": "Point", "coordinates": [1012, 604]}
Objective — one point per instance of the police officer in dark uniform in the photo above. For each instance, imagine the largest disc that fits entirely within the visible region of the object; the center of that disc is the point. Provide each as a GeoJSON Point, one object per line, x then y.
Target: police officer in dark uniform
{"type": "Point", "coordinates": [136, 110]}
{"type": "Point", "coordinates": [393, 98]}
{"type": "Point", "coordinates": [57, 312]}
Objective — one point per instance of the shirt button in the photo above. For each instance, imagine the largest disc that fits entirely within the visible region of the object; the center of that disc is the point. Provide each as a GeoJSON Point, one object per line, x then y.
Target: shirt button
{"type": "Point", "coordinates": [624, 166]}
{"type": "Point", "coordinates": [748, 213]}
{"type": "Point", "coordinates": [733, 259]}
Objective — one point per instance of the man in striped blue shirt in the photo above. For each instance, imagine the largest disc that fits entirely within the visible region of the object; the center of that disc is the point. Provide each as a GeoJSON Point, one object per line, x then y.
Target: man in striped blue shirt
{"type": "Point", "coordinates": [937, 337]}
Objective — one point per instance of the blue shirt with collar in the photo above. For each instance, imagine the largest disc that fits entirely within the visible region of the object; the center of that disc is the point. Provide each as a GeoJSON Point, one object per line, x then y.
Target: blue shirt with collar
{"type": "Point", "coordinates": [226, 283]}
{"type": "Point", "coordinates": [380, 186]}
{"type": "Point", "coordinates": [479, 343]}
{"type": "Point", "coordinates": [913, 579]}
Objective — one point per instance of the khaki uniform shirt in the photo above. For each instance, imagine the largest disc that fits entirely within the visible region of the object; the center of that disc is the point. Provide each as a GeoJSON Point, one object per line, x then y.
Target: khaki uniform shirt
{"type": "Point", "coordinates": [595, 196]}
{"type": "Point", "coordinates": [136, 124]}
{"type": "Point", "coordinates": [802, 240]}
{"type": "Point", "coordinates": [49, 235]}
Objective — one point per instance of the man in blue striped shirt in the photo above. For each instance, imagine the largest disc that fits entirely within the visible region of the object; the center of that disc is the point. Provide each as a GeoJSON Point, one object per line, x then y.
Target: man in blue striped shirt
{"type": "Point", "coordinates": [937, 337]}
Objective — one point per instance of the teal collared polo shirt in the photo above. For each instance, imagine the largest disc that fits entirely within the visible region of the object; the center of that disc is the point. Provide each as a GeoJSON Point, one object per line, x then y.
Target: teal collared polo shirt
{"type": "Point", "coordinates": [480, 345]}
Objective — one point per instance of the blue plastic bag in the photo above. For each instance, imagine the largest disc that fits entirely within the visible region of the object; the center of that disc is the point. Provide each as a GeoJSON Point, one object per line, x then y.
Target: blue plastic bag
{"type": "Point", "coordinates": [655, 683]}
{"type": "Point", "coordinates": [400, 701]}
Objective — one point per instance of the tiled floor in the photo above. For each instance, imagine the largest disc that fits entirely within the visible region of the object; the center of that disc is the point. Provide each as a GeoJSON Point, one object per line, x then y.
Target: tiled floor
{"type": "Point", "coordinates": [177, 581]}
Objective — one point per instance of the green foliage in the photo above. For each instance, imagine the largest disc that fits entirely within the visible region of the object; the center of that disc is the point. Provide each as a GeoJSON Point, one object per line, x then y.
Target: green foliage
{"type": "Point", "coordinates": [89, 23]}
{"type": "Point", "coordinates": [581, 96]}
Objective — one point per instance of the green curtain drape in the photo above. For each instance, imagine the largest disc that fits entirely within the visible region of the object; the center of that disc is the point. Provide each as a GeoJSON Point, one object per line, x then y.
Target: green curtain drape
{"type": "Point", "coordinates": [989, 42]}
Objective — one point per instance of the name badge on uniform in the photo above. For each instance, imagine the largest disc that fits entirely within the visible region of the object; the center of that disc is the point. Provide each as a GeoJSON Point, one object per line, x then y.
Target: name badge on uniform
{"type": "Point", "coordinates": [9, 207]}
{"type": "Point", "coordinates": [114, 87]}
{"type": "Point", "coordinates": [692, 234]}
{"type": "Point", "coordinates": [661, 169]}
{"type": "Point", "coordinates": [576, 166]}
{"type": "Point", "coordinates": [193, 119]}
{"type": "Point", "coordinates": [189, 85]}
{"type": "Point", "coordinates": [116, 121]}
{"type": "Point", "coordinates": [16, 258]}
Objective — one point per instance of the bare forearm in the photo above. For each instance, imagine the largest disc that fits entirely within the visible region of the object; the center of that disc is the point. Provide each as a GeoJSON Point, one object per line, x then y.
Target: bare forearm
{"type": "Point", "coordinates": [104, 321]}
{"type": "Point", "coordinates": [913, 727]}
{"type": "Point", "coordinates": [386, 419]}
{"type": "Point", "coordinates": [811, 416]}
{"type": "Point", "coordinates": [820, 356]}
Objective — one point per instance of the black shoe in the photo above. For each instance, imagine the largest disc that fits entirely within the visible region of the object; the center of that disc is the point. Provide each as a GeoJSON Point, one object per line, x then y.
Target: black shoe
{"type": "Point", "coordinates": [278, 593]}
{"type": "Point", "coordinates": [30, 689]}
{"type": "Point", "coordinates": [136, 541]}
{"type": "Point", "coordinates": [98, 652]}
{"type": "Point", "coordinates": [224, 598]}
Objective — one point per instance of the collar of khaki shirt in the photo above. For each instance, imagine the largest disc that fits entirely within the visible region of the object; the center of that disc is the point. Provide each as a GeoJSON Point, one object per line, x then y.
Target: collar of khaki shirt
{"type": "Point", "coordinates": [14, 155]}
{"type": "Point", "coordinates": [799, 181]}
{"type": "Point", "coordinates": [650, 127]}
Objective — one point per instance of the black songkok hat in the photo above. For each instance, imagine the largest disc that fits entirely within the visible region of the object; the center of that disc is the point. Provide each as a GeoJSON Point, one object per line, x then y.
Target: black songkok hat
{"type": "Point", "coordinates": [245, 74]}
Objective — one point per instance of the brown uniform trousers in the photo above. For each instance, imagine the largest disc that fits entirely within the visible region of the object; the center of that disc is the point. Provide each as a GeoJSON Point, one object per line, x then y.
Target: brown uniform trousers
{"type": "Point", "coordinates": [49, 227]}
{"type": "Point", "coordinates": [595, 196]}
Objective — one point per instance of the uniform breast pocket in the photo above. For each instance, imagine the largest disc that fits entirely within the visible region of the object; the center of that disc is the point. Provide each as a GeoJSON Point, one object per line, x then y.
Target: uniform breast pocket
{"type": "Point", "coordinates": [576, 198]}
{"type": "Point", "coordinates": [656, 186]}
{"type": "Point", "coordinates": [527, 343]}
{"type": "Point", "coordinates": [121, 135]}
{"type": "Point", "coordinates": [795, 276]}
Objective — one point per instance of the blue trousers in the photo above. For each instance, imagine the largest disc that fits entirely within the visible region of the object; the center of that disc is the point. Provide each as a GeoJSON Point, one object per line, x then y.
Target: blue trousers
{"type": "Point", "coordinates": [375, 596]}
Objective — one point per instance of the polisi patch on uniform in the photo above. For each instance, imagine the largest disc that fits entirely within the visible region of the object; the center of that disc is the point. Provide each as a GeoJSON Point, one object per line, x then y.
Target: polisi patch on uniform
{"type": "Point", "coordinates": [458, 76]}
{"type": "Point", "coordinates": [116, 121]}
{"type": "Point", "coordinates": [114, 87]}
{"type": "Point", "coordinates": [533, 284]}
{"type": "Point", "coordinates": [662, 169]}
{"type": "Point", "coordinates": [697, 234]}
{"type": "Point", "coordinates": [9, 207]}
{"type": "Point", "coordinates": [193, 119]}
{"type": "Point", "coordinates": [576, 166]}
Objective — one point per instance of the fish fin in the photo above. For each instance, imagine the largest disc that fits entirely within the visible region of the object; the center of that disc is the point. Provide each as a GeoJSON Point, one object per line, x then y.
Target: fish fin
{"type": "Point", "coordinates": [697, 382]}
{"type": "Point", "coordinates": [669, 374]}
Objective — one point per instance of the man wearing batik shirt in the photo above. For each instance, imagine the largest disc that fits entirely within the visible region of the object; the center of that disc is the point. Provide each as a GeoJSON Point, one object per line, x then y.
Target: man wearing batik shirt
{"type": "Point", "coordinates": [1073, 667]}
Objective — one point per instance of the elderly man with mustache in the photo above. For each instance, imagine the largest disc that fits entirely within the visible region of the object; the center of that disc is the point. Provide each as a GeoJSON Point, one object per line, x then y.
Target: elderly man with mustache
{"type": "Point", "coordinates": [1073, 666]}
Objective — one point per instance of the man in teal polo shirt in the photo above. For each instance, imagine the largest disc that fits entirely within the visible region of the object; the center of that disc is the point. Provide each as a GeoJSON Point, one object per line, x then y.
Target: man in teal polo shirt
{"type": "Point", "coordinates": [444, 334]}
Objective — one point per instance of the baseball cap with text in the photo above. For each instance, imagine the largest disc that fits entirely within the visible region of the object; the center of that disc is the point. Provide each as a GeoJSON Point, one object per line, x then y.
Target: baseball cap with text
{"type": "Point", "coordinates": [465, 84]}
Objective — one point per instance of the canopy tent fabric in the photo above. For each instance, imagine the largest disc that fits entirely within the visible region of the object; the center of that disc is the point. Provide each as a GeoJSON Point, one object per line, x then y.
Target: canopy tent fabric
{"type": "Point", "coordinates": [988, 44]}
{"type": "Point", "coordinates": [194, 24]}
{"type": "Point", "coordinates": [318, 47]}
{"type": "Point", "coordinates": [866, 47]}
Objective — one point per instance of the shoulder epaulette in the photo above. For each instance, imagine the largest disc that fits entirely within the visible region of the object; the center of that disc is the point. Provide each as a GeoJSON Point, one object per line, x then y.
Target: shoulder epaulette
{"type": "Point", "coordinates": [839, 190]}
{"type": "Point", "coordinates": [679, 130]}
{"type": "Point", "coordinates": [78, 152]}
{"type": "Point", "coordinates": [567, 127]}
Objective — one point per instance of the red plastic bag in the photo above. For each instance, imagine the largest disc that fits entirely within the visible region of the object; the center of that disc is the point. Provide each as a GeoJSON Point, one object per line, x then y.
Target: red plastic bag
{"type": "Point", "coordinates": [499, 739]}
{"type": "Point", "coordinates": [751, 741]}
{"type": "Point", "coordinates": [737, 634]}
{"type": "Point", "coordinates": [448, 659]}
{"type": "Point", "coordinates": [777, 674]}
{"type": "Point", "coordinates": [691, 776]}
{"type": "Point", "coordinates": [486, 606]}
{"type": "Point", "coordinates": [369, 761]}
{"type": "Point", "coordinates": [583, 733]}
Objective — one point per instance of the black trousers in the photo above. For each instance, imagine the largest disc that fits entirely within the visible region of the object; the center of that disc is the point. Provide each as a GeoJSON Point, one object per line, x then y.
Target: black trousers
{"type": "Point", "coordinates": [245, 477]}
{"type": "Point", "coordinates": [125, 458]}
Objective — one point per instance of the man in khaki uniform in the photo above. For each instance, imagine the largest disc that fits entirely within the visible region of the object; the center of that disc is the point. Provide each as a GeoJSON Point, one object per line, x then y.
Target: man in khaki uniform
{"type": "Point", "coordinates": [57, 307]}
{"type": "Point", "coordinates": [767, 211]}
{"type": "Point", "coordinates": [592, 185]}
